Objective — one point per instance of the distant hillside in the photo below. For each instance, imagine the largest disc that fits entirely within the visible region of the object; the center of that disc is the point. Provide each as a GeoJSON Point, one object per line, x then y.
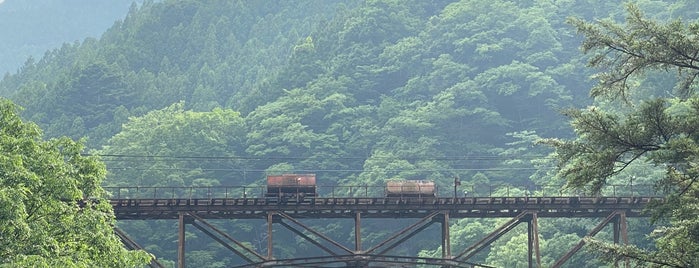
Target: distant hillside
{"type": "Point", "coordinates": [30, 28]}
{"type": "Point", "coordinates": [371, 77]}
{"type": "Point", "coordinates": [222, 92]}
{"type": "Point", "coordinates": [206, 53]}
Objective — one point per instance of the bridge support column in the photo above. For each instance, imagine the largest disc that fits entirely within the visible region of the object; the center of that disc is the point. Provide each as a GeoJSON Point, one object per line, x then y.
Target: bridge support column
{"type": "Point", "coordinates": [533, 244]}
{"type": "Point", "coordinates": [620, 231]}
{"type": "Point", "coordinates": [270, 217]}
{"type": "Point", "coordinates": [446, 243]}
{"type": "Point", "coordinates": [180, 241]}
{"type": "Point", "coordinates": [357, 232]}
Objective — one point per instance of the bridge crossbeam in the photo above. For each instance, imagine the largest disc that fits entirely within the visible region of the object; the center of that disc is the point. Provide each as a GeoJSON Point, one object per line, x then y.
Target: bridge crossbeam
{"type": "Point", "coordinates": [316, 208]}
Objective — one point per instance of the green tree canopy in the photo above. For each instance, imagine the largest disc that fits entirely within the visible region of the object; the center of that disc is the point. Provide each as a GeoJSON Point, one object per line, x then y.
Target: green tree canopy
{"type": "Point", "coordinates": [660, 132]}
{"type": "Point", "coordinates": [143, 152]}
{"type": "Point", "coordinates": [45, 220]}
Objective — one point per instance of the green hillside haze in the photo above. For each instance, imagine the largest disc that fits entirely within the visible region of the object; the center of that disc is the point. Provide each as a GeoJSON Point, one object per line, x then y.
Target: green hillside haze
{"type": "Point", "coordinates": [207, 93]}
{"type": "Point", "coordinates": [29, 28]}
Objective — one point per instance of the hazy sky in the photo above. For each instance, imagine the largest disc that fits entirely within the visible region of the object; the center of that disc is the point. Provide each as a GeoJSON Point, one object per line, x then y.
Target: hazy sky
{"type": "Point", "coordinates": [30, 28]}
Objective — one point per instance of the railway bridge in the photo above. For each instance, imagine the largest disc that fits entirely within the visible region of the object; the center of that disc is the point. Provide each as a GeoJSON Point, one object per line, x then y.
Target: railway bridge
{"type": "Point", "coordinates": [197, 206]}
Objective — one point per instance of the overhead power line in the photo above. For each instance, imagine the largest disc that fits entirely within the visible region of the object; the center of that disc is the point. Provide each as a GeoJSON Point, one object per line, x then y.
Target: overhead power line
{"type": "Point", "coordinates": [439, 158]}
{"type": "Point", "coordinates": [344, 170]}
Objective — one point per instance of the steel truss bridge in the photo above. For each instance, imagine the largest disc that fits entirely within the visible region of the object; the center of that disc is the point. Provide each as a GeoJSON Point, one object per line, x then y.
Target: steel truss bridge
{"type": "Point", "coordinates": [197, 209]}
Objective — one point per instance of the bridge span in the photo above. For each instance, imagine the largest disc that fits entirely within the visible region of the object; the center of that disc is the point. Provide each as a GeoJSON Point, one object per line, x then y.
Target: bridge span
{"type": "Point", "coordinates": [288, 214]}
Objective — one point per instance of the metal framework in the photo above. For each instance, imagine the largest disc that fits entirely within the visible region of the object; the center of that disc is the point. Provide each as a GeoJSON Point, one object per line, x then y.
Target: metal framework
{"type": "Point", "coordinates": [426, 212]}
{"type": "Point", "coordinates": [130, 244]}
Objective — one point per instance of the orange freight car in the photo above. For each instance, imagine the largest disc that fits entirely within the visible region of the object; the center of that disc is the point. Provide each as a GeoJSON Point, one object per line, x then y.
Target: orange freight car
{"type": "Point", "coordinates": [411, 188]}
{"type": "Point", "coordinates": [291, 185]}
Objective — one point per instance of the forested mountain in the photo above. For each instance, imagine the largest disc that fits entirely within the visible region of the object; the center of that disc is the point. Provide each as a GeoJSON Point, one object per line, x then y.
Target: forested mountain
{"type": "Point", "coordinates": [184, 93]}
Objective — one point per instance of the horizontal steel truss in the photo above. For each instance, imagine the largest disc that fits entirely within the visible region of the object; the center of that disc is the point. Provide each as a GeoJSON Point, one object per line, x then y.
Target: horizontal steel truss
{"type": "Point", "coordinates": [377, 254]}
{"type": "Point", "coordinates": [476, 207]}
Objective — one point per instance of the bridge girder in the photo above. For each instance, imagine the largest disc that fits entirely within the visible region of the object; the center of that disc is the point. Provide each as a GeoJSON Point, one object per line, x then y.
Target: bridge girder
{"type": "Point", "coordinates": [427, 211]}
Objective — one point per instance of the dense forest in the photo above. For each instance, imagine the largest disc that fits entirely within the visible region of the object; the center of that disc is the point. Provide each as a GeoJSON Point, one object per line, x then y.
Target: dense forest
{"type": "Point", "coordinates": [207, 93]}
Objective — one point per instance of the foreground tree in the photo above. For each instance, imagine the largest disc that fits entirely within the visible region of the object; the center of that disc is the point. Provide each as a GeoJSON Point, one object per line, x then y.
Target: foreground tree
{"type": "Point", "coordinates": [660, 131]}
{"type": "Point", "coordinates": [44, 221]}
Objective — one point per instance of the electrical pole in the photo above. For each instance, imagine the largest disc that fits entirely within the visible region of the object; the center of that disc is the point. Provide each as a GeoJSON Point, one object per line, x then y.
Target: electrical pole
{"type": "Point", "coordinates": [457, 182]}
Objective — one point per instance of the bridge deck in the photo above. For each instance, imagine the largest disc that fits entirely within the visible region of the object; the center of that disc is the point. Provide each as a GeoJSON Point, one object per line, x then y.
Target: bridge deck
{"type": "Point", "coordinates": [464, 207]}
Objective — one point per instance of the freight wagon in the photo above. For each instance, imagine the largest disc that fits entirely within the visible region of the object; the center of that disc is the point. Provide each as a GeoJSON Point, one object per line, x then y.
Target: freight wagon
{"type": "Point", "coordinates": [291, 186]}
{"type": "Point", "coordinates": [411, 188]}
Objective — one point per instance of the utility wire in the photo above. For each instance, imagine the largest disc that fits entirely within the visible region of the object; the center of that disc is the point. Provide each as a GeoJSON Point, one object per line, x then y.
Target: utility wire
{"type": "Point", "coordinates": [114, 157]}
{"type": "Point", "coordinates": [342, 170]}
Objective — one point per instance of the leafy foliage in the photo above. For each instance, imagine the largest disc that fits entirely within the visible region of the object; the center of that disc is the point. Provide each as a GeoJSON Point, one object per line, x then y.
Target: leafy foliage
{"type": "Point", "coordinates": [52, 207]}
{"type": "Point", "coordinates": [625, 51]}
{"type": "Point", "coordinates": [176, 133]}
{"type": "Point", "coordinates": [658, 131]}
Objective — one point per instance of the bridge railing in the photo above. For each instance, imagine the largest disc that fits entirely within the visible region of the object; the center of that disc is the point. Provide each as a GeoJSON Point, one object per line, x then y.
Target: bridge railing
{"type": "Point", "coordinates": [333, 191]}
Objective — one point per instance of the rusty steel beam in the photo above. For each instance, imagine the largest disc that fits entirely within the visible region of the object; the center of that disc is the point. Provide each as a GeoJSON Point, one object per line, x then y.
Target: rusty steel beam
{"type": "Point", "coordinates": [478, 246]}
{"type": "Point", "coordinates": [488, 207]}
{"type": "Point", "coordinates": [131, 244]}
{"type": "Point", "coordinates": [406, 237]}
{"type": "Point", "coordinates": [446, 243]}
{"type": "Point", "coordinates": [624, 235]}
{"type": "Point", "coordinates": [126, 240]}
{"type": "Point", "coordinates": [534, 241]}
{"type": "Point", "coordinates": [307, 228]}
{"type": "Point", "coordinates": [223, 243]}
{"type": "Point", "coordinates": [180, 241]}
{"type": "Point", "coordinates": [403, 231]}
{"type": "Point", "coordinates": [365, 260]}
{"type": "Point", "coordinates": [308, 238]}
{"type": "Point", "coordinates": [270, 246]}
{"type": "Point", "coordinates": [520, 209]}
{"type": "Point", "coordinates": [580, 244]}
{"type": "Point", "coordinates": [225, 235]}
{"type": "Point", "coordinates": [619, 225]}
{"type": "Point", "coordinates": [357, 232]}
